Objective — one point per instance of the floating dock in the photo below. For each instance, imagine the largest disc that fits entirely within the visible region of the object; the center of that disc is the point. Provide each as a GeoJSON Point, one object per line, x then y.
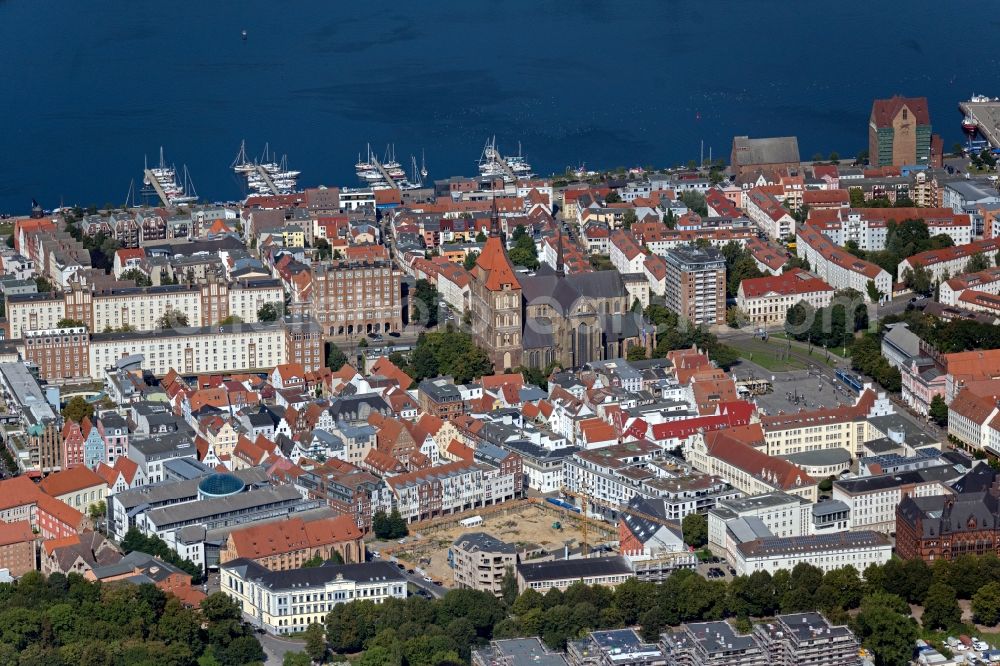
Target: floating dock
{"type": "Point", "coordinates": [987, 115]}
{"type": "Point", "coordinates": [267, 179]}
{"type": "Point", "coordinates": [155, 184]}
{"type": "Point", "coordinates": [385, 174]}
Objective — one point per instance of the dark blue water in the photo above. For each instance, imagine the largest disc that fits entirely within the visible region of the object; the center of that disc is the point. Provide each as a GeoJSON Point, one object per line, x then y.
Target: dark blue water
{"type": "Point", "coordinates": [88, 89]}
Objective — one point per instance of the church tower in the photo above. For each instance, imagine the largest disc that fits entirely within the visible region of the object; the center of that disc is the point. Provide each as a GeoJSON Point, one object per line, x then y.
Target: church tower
{"type": "Point", "coordinates": [495, 300]}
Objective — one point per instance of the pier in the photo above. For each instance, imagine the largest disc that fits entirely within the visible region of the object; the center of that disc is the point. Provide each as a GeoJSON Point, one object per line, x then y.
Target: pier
{"type": "Point", "coordinates": [267, 179]}
{"type": "Point", "coordinates": [987, 114]}
{"type": "Point", "coordinates": [155, 184]}
{"type": "Point", "coordinates": [385, 174]}
{"type": "Point", "coordinates": [499, 159]}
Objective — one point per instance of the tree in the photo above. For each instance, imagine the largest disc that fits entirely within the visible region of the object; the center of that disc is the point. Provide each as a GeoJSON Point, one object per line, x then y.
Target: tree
{"type": "Point", "coordinates": [977, 262]}
{"type": "Point", "coordinates": [470, 260]}
{"type": "Point", "coordinates": [941, 610]}
{"type": "Point", "coordinates": [834, 156]}
{"type": "Point", "coordinates": [315, 642]}
{"type": "Point", "coordinates": [425, 303]}
{"type": "Point", "coordinates": [883, 625]}
{"type": "Point", "coordinates": [629, 218]}
{"type": "Point", "coordinates": [939, 411]}
{"type": "Point", "coordinates": [448, 352]}
{"type": "Point", "coordinates": [231, 320]}
{"type": "Point", "coordinates": [42, 284]}
{"type": "Point", "coordinates": [873, 293]}
{"type": "Point", "coordinates": [524, 253]}
{"type": "Point", "coordinates": [636, 353]}
{"type": "Point", "coordinates": [918, 278]}
{"type": "Point", "coordinates": [735, 318]}
{"type": "Point", "coordinates": [695, 201]}
{"type": "Point", "coordinates": [323, 249]}
{"type": "Point", "coordinates": [97, 510]}
{"type": "Point", "coordinates": [269, 311]}
{"type": "Point", "coordinates": [695, 529]}
{"type": "Point", "coordinates": [296, 659]}
{"type": "Point", "coordinates": [137, 276]}
{"type": "Point", "coordinates": [66, 322]}
{"type": "Point", "coordinates": [335, 359]}
{"type": "Point", "coordinates": [77, 409]}
{"type": "Point", "coordinates": [389, 526]}
{"type": "Point", "coordinates": [986, 604]}
{"type": "Point", "coordinates": [172, 319]}
{"type": "Point", "coordinates": [314, 561]}
{"type": "Point", "coordinates": [480, 237]}
{"type": "Point", "coordinates": [508, 587]}
{"type": "Point", "coordinates": [613, 197]}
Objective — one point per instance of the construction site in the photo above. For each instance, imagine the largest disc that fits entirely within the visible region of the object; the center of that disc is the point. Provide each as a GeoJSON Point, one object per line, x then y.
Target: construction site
{"type": "Point", "coordinates": [535, 527]}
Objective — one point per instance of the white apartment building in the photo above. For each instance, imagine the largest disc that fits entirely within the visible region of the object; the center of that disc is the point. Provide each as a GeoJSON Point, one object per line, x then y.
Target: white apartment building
{"type": "Point", "coordinates": [625, 253]}
{"type": "Point", "coordinates": [766, 300]}
{"type": "Point", "coordinates": [825, 551]}
{"type": "Point", "coordinates": [987, 281]}
{"type": "Point", "coordinates": [285, 602]}
{"type": "Point", "coordinates": [872, 500]}
{"type": "Point", "coordinates": [211, 349]}
{"type": "Point", "coordinates": [949, 261]}
{"type": "Point", "coordinates": [837, 267]}
{"type": "Point", "coordinates": [768, 214]}
{"type": "Point", "coordinates": [785, 515]}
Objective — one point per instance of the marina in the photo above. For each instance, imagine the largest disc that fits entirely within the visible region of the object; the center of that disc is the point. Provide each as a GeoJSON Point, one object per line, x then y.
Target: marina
{"type": "Point", "coordinates": [982, 115]}
{"type": "Point", "coordinates": [264, 175]}
{"type": "Point", "coordinates": [160, 182]}
{"type": "Point", "coordinates": [388, 173]}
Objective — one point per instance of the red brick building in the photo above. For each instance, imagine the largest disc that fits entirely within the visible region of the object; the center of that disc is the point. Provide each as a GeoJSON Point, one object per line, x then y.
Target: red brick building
{"type": "Point", "coordinates": [17, 547]}
{"type": "Point", "coordinates": [944, 527]}
{"type": "Point", "coordinates": [62, 354]}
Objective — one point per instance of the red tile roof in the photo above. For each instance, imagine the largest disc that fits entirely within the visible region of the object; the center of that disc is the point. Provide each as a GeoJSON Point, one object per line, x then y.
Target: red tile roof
{"type": "Point", "coordinates": [794, 282]}
{"type": "Point", "coordinates": [70, 480]}
{"type": "Point", "coordinates": [885, 110]}
{"type": "Point", "coordinates": [494, 267]}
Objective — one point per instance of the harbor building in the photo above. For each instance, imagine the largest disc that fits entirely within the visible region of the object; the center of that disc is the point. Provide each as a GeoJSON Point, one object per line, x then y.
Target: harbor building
{"type": "Point", "coordinates": [899, 132]}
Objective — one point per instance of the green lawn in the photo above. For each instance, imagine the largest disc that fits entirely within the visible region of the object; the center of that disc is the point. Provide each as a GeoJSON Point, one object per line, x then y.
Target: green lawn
{"type": "Point", "coordinates": [775, 362]}
{"type": "Point", "coordinates": [839, 351]}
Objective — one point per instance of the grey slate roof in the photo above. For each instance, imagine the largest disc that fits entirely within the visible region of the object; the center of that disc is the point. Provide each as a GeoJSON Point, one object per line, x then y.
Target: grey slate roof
{"type": "Point", "coordinates": [275, 581]}
{"type": "Point", "coordinates": [773, 150]}
{"type": "Point", "coordinates": [569, 569]}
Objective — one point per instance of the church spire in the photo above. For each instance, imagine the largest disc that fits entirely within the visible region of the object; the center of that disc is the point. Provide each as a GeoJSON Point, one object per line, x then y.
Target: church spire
{"type": "Point", "coordinates": [560, 269]}
{"type": "Point", "coordinates": [495, 216]}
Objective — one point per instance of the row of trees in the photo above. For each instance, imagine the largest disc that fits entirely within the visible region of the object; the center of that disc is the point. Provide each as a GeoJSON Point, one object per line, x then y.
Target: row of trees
{"type": "Point", "coordinates": [832, 326]}
{"type": "Point", "coordinates": [447, 352]}
{"type": "Point", "coordinates": [389, 525]}
{"type": "Point", "coordinates": [866, 357]}
{"type": "Point", "coordinates": [69, 621]}
{"type": "Point", "coordinates": [418, 631]}
{"type": "Point", "coordinates": [674, 333]}
{"type": "Point", "coordinates": [949, 336]}
{"type": "Point", "coordinates": [740, 265]}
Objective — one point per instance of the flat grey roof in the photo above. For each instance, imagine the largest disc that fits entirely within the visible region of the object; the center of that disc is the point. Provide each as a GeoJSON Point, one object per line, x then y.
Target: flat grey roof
{"type": "Point", "coordinates": [579, 568]}
{"type": "Point", "coordinates": [240, 502]}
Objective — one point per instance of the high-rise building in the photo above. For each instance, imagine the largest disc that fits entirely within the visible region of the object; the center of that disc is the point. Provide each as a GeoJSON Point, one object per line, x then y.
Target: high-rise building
{"type": "Point", "coordinates": [696, 284]}
{"type": "Point", "coordinates": [899, 132]}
